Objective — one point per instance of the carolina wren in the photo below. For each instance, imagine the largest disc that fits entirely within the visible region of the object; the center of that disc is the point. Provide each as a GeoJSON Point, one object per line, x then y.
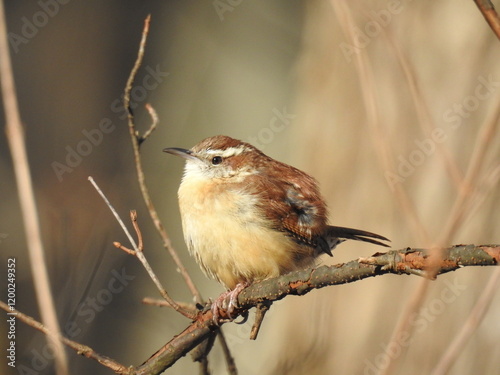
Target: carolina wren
{"type": "Point", "coordinates": [248, 217]}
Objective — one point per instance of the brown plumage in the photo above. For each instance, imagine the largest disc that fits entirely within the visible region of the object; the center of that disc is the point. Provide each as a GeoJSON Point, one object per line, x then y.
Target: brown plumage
{"type": "Point", "coordinates": [248, 217]}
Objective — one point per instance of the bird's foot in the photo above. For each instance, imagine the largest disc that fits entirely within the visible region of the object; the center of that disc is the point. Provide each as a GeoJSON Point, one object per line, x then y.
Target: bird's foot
{"type": "Point", "coordinates": [218, 304]}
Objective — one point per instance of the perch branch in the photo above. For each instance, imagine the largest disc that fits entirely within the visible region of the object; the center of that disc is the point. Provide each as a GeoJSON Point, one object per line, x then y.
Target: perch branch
{"type": "Point", "coordinates": [405, 261]}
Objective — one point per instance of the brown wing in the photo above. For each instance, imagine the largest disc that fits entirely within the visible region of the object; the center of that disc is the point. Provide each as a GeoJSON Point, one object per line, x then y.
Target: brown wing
{"type": "Point", "coordinates": [293, 203]}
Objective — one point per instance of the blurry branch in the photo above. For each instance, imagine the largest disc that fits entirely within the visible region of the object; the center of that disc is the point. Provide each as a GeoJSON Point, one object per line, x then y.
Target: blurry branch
{"type": "Point", "coordinates": [490, 15]}
{"type": "Point", "coordinates": [473, 184]}
{"type": "Point", "coordinates": [231, 365]}
{"type": "Point", "coordinates": [425, 120]}
{"type": "Point", "coordinates": [79, 348]}
{"type": "Point", "coordinates": [15, 137]}
{"type": "Point", "coordinates": [137, 140]}
{"type": "Point", "coordinates": [470, 325]}
{"type": "Point", "coordinates": [138, 252]}
{"type": "Point", "coordinates": [381, 141]}
{"type": "Point", "coordinates": [470, 189]}
{"type": "Point", "coordinates": [405, 261]}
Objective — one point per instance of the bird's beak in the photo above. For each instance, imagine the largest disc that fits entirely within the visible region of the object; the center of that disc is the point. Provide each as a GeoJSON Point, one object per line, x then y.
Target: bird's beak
{"type": "Point", "coordinates": [182, 152]}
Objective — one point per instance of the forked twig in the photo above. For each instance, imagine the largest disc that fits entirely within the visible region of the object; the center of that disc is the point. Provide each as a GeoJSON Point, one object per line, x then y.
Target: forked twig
{"type": "Point", "coordinates": [137, 251]}
{"type": "Point", "coordinates": [136, 142]}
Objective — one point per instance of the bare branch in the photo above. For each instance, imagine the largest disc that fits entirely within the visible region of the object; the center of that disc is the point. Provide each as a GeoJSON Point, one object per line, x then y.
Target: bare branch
{"type": "Point", "coordinates": [20, 163]}
{"type": "Point", "coordinates": [78, 348]}
{"type": "Point", "coordinates": [470, 325]}
{"type": "Point", "coordinates": [154, 124]}
{"type": "Point", "coordinates": [262, 309]}
{"type": "Point", "coordinates": [404, 261]}
{"type": "Point", "coordinates": [231, 365]}
{"type": "Point", "coordinates": [136, 141]}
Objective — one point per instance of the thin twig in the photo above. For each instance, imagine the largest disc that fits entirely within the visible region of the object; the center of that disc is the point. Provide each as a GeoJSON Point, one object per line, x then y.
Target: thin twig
{"type": "Point", "coordinates": [140, 255]}
{"type": "Point", "coordinates": [15, 136]}
{"type": "Point", "coordinates": [490, 15]}
{"type": "Point", "coordinates": [135, 137]}
{"type": "Point", "coordinates": [231, 365]}
{"type": "Point", "coordinates": [469, 327]}
{"type": "Point", "coordinates": [113, 211]}
{"type": "Point", "coordinates": [154, 124]}
{"type": "Point", "coordinates": [260, 313]}
{"type": "Point", "coordinates": [77, 347]}
{"type": "Point", "coordinates": [162, 303]}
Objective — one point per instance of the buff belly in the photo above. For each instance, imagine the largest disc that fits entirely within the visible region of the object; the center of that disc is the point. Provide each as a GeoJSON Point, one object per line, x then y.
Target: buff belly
{"type": "Point", "coordinates": [229, 237]}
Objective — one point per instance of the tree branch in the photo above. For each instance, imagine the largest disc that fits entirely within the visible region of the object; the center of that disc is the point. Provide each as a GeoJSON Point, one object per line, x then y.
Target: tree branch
{"type": "Point", "coordinates": [490, 15]}
{"type": "Point", "coordinates": [29, 210]}
{"type": "Point", "coordinates": [406, 261]}
{"type": "Point", "coordinates": [80, 349]}
{"type": "Point", "coordinates": [137, 251]}
{"type": "Point", "coordinates": [137, 140]}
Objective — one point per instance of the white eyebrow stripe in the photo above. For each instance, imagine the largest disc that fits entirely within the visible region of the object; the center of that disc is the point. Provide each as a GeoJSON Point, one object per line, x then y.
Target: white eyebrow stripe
{"type": "Point", "coordinates": [231, 151]}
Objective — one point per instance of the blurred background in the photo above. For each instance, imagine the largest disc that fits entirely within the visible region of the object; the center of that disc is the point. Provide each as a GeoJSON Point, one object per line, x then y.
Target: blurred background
{"type": "Point", "coordinates": [393, 106]}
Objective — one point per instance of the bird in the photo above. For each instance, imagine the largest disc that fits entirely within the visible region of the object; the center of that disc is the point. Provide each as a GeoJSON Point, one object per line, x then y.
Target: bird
{"type": "Point", "coordinates": [247, 217]}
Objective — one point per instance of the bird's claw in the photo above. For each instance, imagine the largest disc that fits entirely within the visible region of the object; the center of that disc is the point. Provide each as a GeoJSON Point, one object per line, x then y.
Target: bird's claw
{"type": "Point", "coordinates": [218, 304]}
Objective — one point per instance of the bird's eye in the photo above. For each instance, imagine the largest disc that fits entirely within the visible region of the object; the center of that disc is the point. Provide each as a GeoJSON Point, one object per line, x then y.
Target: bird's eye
{"type": "Point", "coordinates": [216, 160]}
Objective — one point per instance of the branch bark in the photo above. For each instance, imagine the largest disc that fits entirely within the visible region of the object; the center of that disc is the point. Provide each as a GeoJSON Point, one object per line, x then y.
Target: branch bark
{"type": "Point", "coordinates": [405, 261]}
